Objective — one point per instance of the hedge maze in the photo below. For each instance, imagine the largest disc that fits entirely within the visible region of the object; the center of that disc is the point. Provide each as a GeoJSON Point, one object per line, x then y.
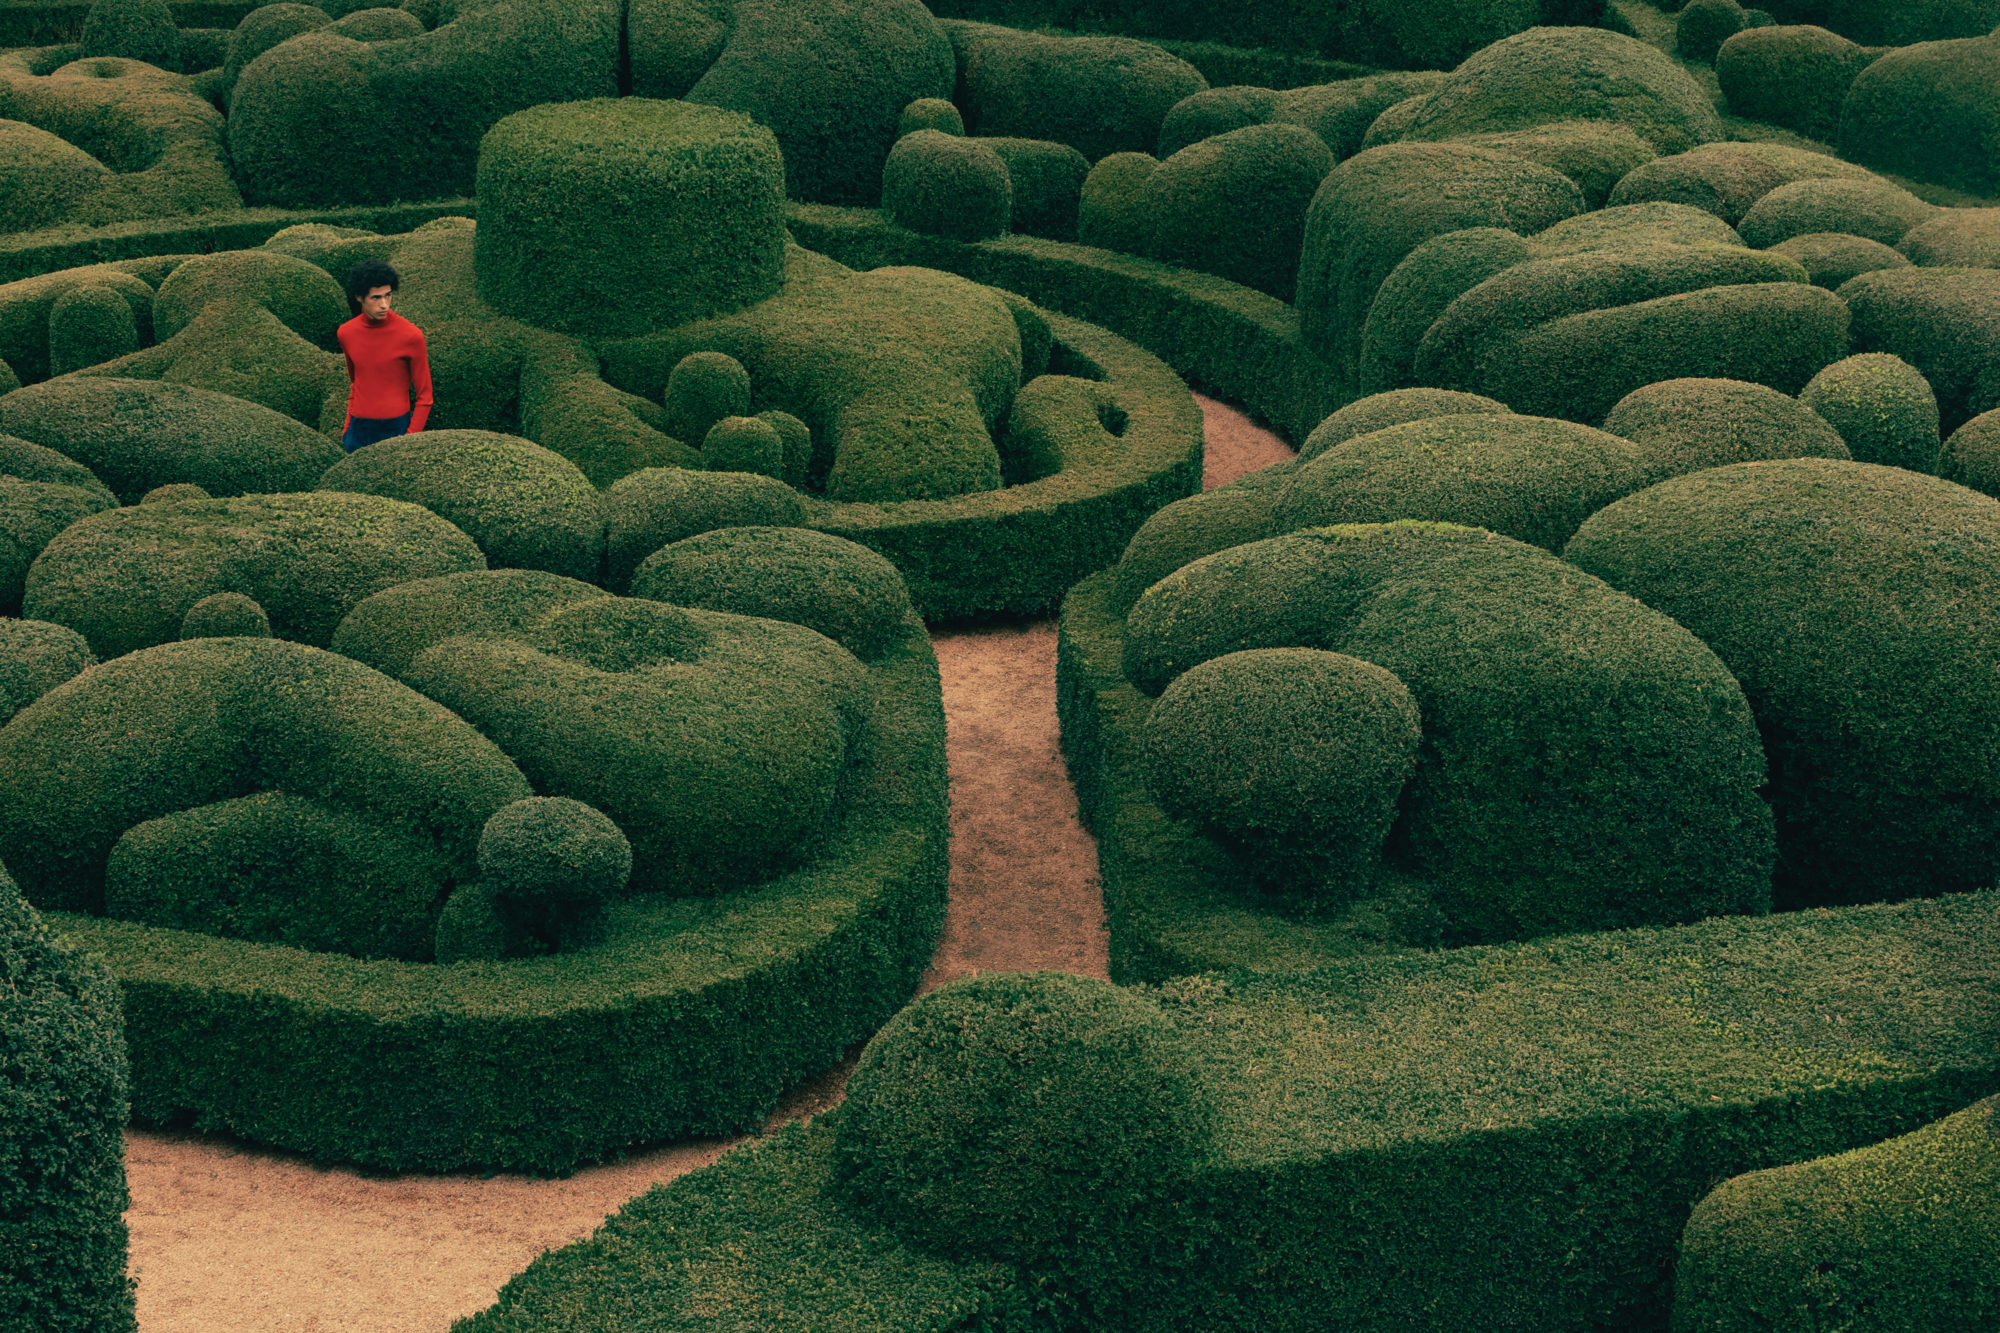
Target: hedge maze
{"type": "Point", "coordinates": [1547, 827]}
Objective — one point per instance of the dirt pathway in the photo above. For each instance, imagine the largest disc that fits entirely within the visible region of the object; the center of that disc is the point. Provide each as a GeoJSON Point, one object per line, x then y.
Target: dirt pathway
{"type": "Point", "coordinates": [237, 1238]}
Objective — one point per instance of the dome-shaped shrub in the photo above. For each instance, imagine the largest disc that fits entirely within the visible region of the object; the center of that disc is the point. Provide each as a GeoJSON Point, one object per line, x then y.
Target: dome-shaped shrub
{"type": "Point", "coordinates": [1235, 205]}
{"type": "Point", "coordinates": [1882, 407]}
{"type": "Point", "coordinates": [35, 657]}
{"type": "Point", "coordinates": [947, 185]}
{"type": "Point", "coordinates": [1686, 425]}
{"type": "Point", "coordinates": [135, 29]}
{"type": "Point", "coordinates": [1796, 77]}
{"type": "Point", "coordinates": [1874, 209]}
{"type": "Point", "coordinates": [1830, 258]}
{"type": "Point", "coordinates": [224, 615]}
{"type": "Point", "coordinates": [89, 325]}
{"type": "Point", "coordinates": [1111, 212]}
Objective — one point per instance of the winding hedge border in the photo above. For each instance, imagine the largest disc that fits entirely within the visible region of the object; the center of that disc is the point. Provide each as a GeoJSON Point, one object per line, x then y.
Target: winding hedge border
{"type": "Point", "coordinates": [691, 1019]}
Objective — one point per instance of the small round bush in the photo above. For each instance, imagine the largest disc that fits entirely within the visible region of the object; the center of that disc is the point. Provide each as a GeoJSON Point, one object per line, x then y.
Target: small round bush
{"type": "Point", "coordinates": [702, 389]}
{"type": "Point", "coordinates": [378, 25]}
{"type": "Point", "coordinates": [174, 493]}
{"type": "Point", "coordinates": [135, 29]}
{"type": "Point", "coordinates": [1293, 756]}
{"type": "Point", "coordinates": [930, 113]}
{"type": "Point", "coordinates": [1214, 111]}
{"type": "Point", "coordinates": [1111, 214]}
{"type": "Point", "coordinates": [1956, 237]}
{"type": "Point", "coordinates": [89, 325]}
{"type": "Point", "coordinates": [553, 865]}
{"type": "Point", "coordinates": [1796, 77]}
{"type": "Point", "coordinates": [1686, 425]}
{"type": "Point", "coordinates": [1365, 416]}
{"type": "Point", "coordinates": [1882, 406]}
{"type": "Point", "coordinates": [1830, 258]}
{"type": "Point", "coordinates": [35, 657]}
{"type": "Point", "coordinates": [1047, 180]}
{"type": "Point", "coordinates": [947, 186]}
{"type": "Point", "coordinates": [1971, 456]}
{"type": "Point", "coordinates": [263, 28]}
{"type": "Point", "coordinates": [41, 176]}
{"type": "Point", "coordinates": [843, 590]}
{"type": "Point", "coordinates": [660, 506]}
{"type": "Point", "coordinates": [1874, 209]}
{"type": "Point", "coordinates": [225, 615]}
{"type": "Point", "coordinates": [622, 216]}
{"type": "Point", "coordinates": [795, 442]}
{"type": "Point", "coordinates": [1703, 26]}
{"type": "Point", "coordinates": [744, 444]}
{"type": "Point", "coordinates": [1037, 1118]}
{"type": "Point", "coordinates": [1235, 205]}
{"type": "Point", "coordinates": [62, 1184]}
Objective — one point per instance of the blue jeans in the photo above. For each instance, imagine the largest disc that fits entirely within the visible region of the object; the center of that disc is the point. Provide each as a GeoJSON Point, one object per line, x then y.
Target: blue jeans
{"type": "Point", "coordinates": [364, 431]}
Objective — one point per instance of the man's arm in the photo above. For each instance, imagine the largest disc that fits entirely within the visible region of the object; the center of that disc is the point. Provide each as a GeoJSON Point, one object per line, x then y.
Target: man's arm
{"type": "Point", "coordinates": [420, 380]}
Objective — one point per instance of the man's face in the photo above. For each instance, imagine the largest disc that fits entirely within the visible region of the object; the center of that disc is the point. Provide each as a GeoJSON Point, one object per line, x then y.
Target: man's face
{"type": "Point", "coordinates": [375, 305]}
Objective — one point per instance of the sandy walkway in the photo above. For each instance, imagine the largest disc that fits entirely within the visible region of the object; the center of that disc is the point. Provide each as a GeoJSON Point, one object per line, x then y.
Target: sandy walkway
{"type": "Point", "coordinates": [236, 1238]}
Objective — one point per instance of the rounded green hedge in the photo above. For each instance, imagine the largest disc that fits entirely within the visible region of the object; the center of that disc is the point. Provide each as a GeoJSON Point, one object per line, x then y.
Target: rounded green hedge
{"type": "Point", "coordinates": [562, 192]}
{"type": "Point", "coordinates": [1686, 425]}
{"type": "Point", "coordinates": [1235, 205]}
{"type": "Point", "coordinates": [1831, 258]}
{"type": "Point", "coordinates": [35, 657]}
{"type": "Point", "coordinates": [1874, 209]}
{"type": "Point", "coordinates": [1882, 407]}
{"type": "Point", "coordinates": [1850, 601]}
{"type": "Point", "coordinates": [525, 507]}
{"type": "Point", "coordinates": [1794, 76]}
{"type": "Point", "coordinates": [1929, 111]}
{"type": "Point", "coordinates": [62, 1188]}
{"type": "Point", "coordinates": [1292, 756]}
{"type": "Point", "coordinates": [948, 185]}
{"type": "Point", "coordinates": [655, 508]}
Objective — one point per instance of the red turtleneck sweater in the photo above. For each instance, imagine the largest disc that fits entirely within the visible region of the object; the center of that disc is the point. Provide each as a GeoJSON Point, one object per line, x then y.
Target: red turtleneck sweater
{"type": "Point", "coordinates": [384, 362]}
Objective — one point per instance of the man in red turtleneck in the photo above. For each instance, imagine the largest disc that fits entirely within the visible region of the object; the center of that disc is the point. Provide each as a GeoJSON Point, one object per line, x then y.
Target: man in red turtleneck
{"type": "Point", "coordinates": [385, 361]}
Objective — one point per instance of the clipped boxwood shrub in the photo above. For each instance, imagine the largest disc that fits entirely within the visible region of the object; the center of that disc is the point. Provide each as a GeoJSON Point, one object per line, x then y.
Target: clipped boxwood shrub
{"type": "Point", "coordinates": [526, 507]}
{"type": "Point", "coordinates": [660, 506]}
{"type": "Point", "coordinates": [1900, 1234]}
{"type": "Point", "coordinates": [1727, 178]}
{"type": "Point", "coordinates": [1845, 596]}
{"type": "Point", "coordinates": [135, 29]}
{"type": "Point", "coordinates": [1882, 407]}
{"type": "Point", "coordinates": [948, 185]}
{"type": "Point", "coordinates": [1235, 205]}
{"type": "Point", "coordinates": [1831, 258]}
{"type": "Point", "coordinates": [559, 186]}
{"type": "Point", "coordinates": [1686, 425]}
{"type": "Point", "coordinates": [35, 657]}
{"type": "Point", "coordinates": [1047, 180]}
{"type": "Point", "coordinates": [1794, 76]}
{"type": "Point", "coordinates": [1943, 321]}
{"type": "Point", "coordinates": [1099, 95]}
{"type": "Point", "coordinates": [1929, 111]}
{"type": "Point", "coordinates": [62, 1191]}
{"type": "Point", "coordinates": [1874, 209]}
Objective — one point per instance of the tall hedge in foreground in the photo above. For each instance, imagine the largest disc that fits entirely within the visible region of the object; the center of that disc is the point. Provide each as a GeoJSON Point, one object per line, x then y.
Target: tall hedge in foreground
{"type": "Point", "coordinates": [62, 1125]}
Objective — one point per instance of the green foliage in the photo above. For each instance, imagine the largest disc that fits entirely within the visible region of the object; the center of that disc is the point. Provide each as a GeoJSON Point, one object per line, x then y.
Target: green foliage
{"type": "Point", "coordinates": [1099, 95]}
{"type": "Point", "coordinates": [1111, 213]}
{"type": "Point", "coordinates": [1525, 477]}
{"type": "Point", "coordinates": [744, 444]}
{"type": "Point", "coordinates": [660, 506]}
{"type": "Point", "coordinates": [1882, 407]}
{"type": "Point", "coordinates": [1038, 1118]}
{"type": "Point", "coordinates": [138, 434]}
{"type": "Point", "coordinates": [1796, 77]}
{"type": "Point", "coordinates": [1972, 455]}
{"type": "Point", "coordinates": [1897, 1235]}
{"type": "Point", "coordinates": [263, 28]}
{"type": "Point", "coordinates": [844, 591]}
{"type": "Point", "coordinates": [135, 29]}
{"type": "Point", "coordinates": [1551, 74]}
{"type": "Point", "coordinates": [1587, 763]}
{"type": "Point", "coordinates": [1849, 600]}
{"type": "Point", "coordinates": [1727, 178]}
{"type": "Point", "coordinates": [1686, 425]}
{"type": "Point", "coordinates": [32, 514]}
{"type": "Point", "coordinates": [126, 579]}
{"type": "Point", "coordinates": [1943, 321]}
{"type": "Point", "coordinates": [702, 389]}
{"type": "Point", "coordinates": [948, 185]}
{"type": "Point", "coordinates": [1831, 258]}
{"type": "Point", "coordinates": [42, 177]}
{"type": "Point", "coordinates": [1703, 26]}
{"type": "Point", "coordinates": [35, 657]}
{"type": "Point", "coordinates": [1291, 756]}
{"type": "Point", "coordinates": [1197, 199]}
{"type": "Point", "coordinates": [62, 1190]}
{"type": "Point", "coordinates": [1929, 111]}
{"type": "Point", "coordinates": [527, 508]}
{"type": "Point", "coordinates": [1874, 209]}
{"type": "Point", "coordinates": [283, 869]}
{"type": "Point", "coordinates": [930, 113]}
{"type": "Point", "coordinates": [89, 325]}
{"type": "Point", "coordinates": [553, 866]}
{"type": "Point", "coordinates": [830, 78]}
{"type": "Point", "coordinates": [1961, 237]}
{"type": "Point", "coordinates": [558, 189]}
{"type": "Point", "coordinates": [1047, 180]}
{"type": "Point", "coordinates": [224, 615]}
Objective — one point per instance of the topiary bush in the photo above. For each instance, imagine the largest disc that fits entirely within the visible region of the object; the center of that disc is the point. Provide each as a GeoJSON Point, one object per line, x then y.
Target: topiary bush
{"type": "Point", "coordinates": [1703, 26]}
{"type": "Point", "coordinates": [1874, 209]}
{"type": "Point", "coordinates": [1727, 178]}
{"type": "Point", "coordinates": [1847, 599]}
{"type": "Point", "coordinates": [744, 444]}
{"type": "Point", "coordinates": [1099, 95]}
{"type": "Point", "coordinates": [135, 29]}
{"type": "Point", "coordinates": [89, 325]}
{"type": "Point", "coordinates": [1047, 186]}
{"type": "Point", "coordinates": [1831, 258]}
{"type": "Point", "coordinates": [526, 508]}
{"type": "Point", "coordinates": [660, 506]}
{"type": "Point", "coordinates": [1291, 756]}
{"type": "Point", "coordinates": [35, 657]}
{"type": "Point", "coordinates": [1111, 212]}
{"type": "Point", "coordinates": [1929, 111]}
{"type": "Point", "coordinates": [1235, 205]}
{"type": "Point", "coordinates": [224, 615]}
{"type": "Point", "coordinates": [1794, 76]}
{"type": "Point", "coordinates": [42, 177]}
{"type": "Point", "coordinates": [948, 186]}
{"type": "Point", "coordinates": [571, 180]}
{"type": "Point", "coordinates": [1686, 425]}
{"type": "Point", "coordinates": [62, 1192]}
{"type": "Point", "coordinates": [1943, 321]}
{"type": "Point", "coordinates": [1882, 407]}
{"type": "Point", "coordinates": [1896, 1235]}
{"type": "Point", "coordinates": [843, 590]}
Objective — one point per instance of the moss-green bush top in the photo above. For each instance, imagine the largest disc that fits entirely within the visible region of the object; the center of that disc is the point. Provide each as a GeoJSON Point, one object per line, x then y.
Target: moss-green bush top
{"type": "Point", "coordinates": [1727, 178]}
{"type": "Point", "coordinates": [1235, 205]}
{"type": "Point", "coordinates": [1898, 1235]}
{"type": "Point", "coordinates": [35, 657]}
{"type": "Point", "coordinates": [948, 185]}
{"type": "Point", "coordinates": [62, 1189]}
{"type": "Point", "coordinates": [135, 29]}
{"type": "Point", "coordinates": [1943, 321]}
{"type": "Point", "coordinates": [527, 508]}
{"type": "Point", "coordinates": [843, 590]}
{"type": "Point", "coordinates": [1848, 598]}
{"type": "Point", "coordinates": [1099, 95]}
{"type": "Point", "coordinates": [830, 78]}
{"type": "Point", "coordinates": [660, 506]}
{"type": "Point", "coordinates": [1587, 762]}
{"type": "Point", "coordinates": [1883, 408]}
{"type": "Point", "coordinates": [623, 215]}
{"type": "Point", "coordinates": [1955, 237]}
{"type": "Point", "coordinates": [1685, 425]}
{"type": "Point", "coordinates": [42, 176]}
{"type": "Point", "coordinates": [126, 579]}
{"type": "Point", "coordinates": [1929, 111]}
{"type": "Point", "coordinates": [1877, 210]}
{"type": "Point", "coordinates": [1795, 76]}
{"type": "Point", "coordinates": [184, 725]}
{"type": "Point", "coordinates": [1550, 74]}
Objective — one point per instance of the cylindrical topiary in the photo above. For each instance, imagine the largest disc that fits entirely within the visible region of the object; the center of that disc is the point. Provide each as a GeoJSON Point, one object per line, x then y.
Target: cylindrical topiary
{"type": "Point", "coordinates": [1111, 214]}
{"type": "Point", "coordinates": [702, 389]}
{"type": "Point", "coordinates": [1882, 406]}
{"type": "Point", "coordinates": [62, 1117]}
{"type": "Point", "coordinates": [930, 113]}
{"type": "Point", "coordinates": [1292, 756]}
{"type": "Point", "coordinates": [744, 444]}
{"type": "Point", "coordinates": [1235, 205]}
{"type": "Point", "coordinates": [554, 864]}
{"type": "Point", "coordinates": [620, 216]}
{"type": "Point", "coordinates": [947, 186]}
{"type": "Point", "coordinates": [1039, 1118]}
{"type": "Point", "coordinates": [89, 325]}
{"type": "Point", "coordinates": [226, 615]}
{"type": "Point", "coordinates": [135, 29]}
{"type": "Point", "coordinates": [1703, 26]}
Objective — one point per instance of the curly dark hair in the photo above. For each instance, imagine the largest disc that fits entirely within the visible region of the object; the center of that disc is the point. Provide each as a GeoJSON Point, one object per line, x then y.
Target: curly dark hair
{"type": "Point", "coordinates": [367, 275]}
